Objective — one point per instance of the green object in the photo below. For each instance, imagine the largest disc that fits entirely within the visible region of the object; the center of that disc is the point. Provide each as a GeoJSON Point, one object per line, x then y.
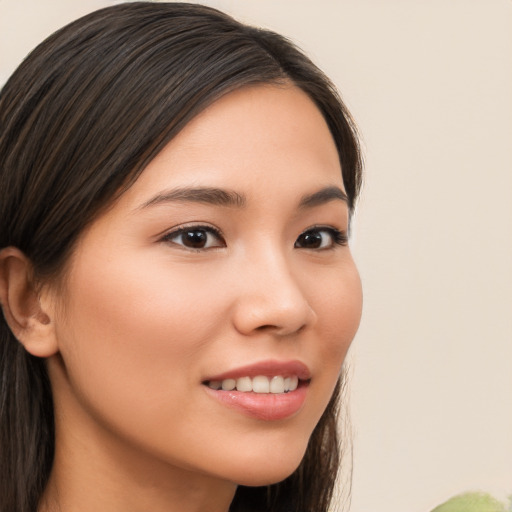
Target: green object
{"type": "Point", "coordinates": [472, 502]}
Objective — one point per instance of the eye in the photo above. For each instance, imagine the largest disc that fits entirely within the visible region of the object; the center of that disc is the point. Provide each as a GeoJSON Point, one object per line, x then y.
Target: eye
{"type": "Point", "coordinates": [321, 238]}
{"type": "Point", "coordinates": [195, 237]}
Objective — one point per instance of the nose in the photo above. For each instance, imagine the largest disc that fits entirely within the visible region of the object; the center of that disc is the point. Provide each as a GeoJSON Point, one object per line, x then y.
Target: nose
{"type": "Point", "coordinates": [271, 299]}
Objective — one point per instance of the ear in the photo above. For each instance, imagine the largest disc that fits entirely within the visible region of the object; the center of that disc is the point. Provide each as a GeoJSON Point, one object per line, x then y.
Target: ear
{"type": "Point", "coordinates": [21, 304]}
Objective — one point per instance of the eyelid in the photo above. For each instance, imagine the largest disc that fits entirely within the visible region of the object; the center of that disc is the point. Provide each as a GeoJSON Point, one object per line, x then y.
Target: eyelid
{"type": "Point", "coordinates": [183, 228]}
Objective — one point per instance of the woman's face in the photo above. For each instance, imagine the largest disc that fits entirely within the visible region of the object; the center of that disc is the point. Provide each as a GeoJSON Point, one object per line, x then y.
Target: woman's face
{"type": "Point", "coordinates": [225, 264]}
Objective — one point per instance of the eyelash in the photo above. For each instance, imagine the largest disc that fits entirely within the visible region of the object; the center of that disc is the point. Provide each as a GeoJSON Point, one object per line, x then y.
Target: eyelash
{"type": "Point", "coordinates": [170, 237]}
{"type": "Point", "coordinates": [338, 237]}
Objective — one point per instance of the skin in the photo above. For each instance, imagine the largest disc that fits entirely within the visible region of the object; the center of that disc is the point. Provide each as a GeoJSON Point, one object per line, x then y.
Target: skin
{"type": "Point", "coordinates": [141, 320]}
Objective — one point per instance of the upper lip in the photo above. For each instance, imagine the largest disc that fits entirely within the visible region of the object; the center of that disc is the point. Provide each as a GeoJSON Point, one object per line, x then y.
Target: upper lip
{"type": "Point", "coordinates": [268, 368]}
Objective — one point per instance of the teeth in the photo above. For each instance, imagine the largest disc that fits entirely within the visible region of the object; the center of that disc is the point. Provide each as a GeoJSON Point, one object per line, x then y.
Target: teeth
{"type": "Point", "coordinates": [277, 385]}
{"type": "Point", "coordinates": [244, 384]}
{"type": "Point", "coordinates": [259, 384]}
{"type": "Point", "coordinates": [228, 384]}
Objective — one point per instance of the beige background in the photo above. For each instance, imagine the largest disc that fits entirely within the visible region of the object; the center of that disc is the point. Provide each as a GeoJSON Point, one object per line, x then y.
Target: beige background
{"type": "Point", "coordinates": [429, 82]}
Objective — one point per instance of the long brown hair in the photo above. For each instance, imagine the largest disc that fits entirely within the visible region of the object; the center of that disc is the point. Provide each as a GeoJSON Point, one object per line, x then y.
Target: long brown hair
{"type": "Point", "coordinates": [79, 120]}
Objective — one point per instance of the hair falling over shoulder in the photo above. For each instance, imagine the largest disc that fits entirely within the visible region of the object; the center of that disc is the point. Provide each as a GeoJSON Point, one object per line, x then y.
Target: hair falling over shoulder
{"type": "Point", "coordinates": [80, 119]}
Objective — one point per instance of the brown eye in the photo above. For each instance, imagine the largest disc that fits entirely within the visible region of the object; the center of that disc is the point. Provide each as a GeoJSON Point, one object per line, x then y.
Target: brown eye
{"type": "Point", "coordinates": [309, 240]}
{"type": "Point", "coordinates": [195, 238]}
{"type": "Point", "coordinates": [321, 238]}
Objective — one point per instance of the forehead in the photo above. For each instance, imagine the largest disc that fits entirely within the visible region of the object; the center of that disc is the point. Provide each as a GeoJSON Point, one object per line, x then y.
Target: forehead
{"type": "Point", "coordinates": [256, 138]}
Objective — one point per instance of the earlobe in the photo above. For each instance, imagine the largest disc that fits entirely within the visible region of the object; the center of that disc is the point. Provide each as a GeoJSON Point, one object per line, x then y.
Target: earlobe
{"type": "Point", "coordinates": [25, 314]}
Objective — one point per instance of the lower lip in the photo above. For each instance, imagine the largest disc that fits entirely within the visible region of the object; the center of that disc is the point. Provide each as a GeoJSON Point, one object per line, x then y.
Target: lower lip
{"type": "Point", "coordinates": [263, 406]}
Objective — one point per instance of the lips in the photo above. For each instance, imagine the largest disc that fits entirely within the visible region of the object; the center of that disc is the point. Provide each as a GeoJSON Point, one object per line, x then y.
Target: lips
{"type": "Point", "coordinates": [269, 390]}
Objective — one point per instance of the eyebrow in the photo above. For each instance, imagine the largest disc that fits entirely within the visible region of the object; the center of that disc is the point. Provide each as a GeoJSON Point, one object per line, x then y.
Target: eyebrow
{"type": "Point", "coordinates": [323, 196]}
{"type": "Point", "coordinates": [230, 198]}
{"type": "Point", "coordinates": [207, 195]}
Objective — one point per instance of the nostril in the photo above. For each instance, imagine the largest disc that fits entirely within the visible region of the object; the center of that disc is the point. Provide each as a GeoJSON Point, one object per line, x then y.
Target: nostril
{"type": "Point", "coordinates": [265, 327]}
{"type": "Point", "coordinates": [279, 329]}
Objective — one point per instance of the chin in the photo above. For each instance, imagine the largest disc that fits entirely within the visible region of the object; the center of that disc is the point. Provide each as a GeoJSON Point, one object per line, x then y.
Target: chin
{"type": "Point", "coordinates": [264, 480]}
{"type": "Point", "coordinates": [268, 470]}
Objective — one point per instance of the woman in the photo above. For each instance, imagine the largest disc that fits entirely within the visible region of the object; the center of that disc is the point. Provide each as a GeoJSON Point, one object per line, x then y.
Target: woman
{"type": "Point", "coordinates": [175, 275]}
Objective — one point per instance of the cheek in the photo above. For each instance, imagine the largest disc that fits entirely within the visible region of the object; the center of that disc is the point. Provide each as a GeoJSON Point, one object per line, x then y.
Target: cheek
{"type": "Point", "coordinates": [134, 330]}
{"type": "Point", "coordinates": [133, 340]}
{"type": "Point", "coordinates": [339, 307]}
{"type": "Point", "coordinates": [148, 305]}
{"type": "Point", "coordinates": [338, 304]}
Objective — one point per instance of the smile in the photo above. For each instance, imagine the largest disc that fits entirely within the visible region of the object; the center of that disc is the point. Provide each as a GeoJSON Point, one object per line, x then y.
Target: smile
{"type": "Point", "coordinates": [267, 390]}
{"type": "Point", "coordinates": [259, 384]}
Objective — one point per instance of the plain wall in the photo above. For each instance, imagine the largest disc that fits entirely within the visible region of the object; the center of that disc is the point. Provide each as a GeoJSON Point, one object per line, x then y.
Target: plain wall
{"type": "Point", "coordinates": [430, 84]}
